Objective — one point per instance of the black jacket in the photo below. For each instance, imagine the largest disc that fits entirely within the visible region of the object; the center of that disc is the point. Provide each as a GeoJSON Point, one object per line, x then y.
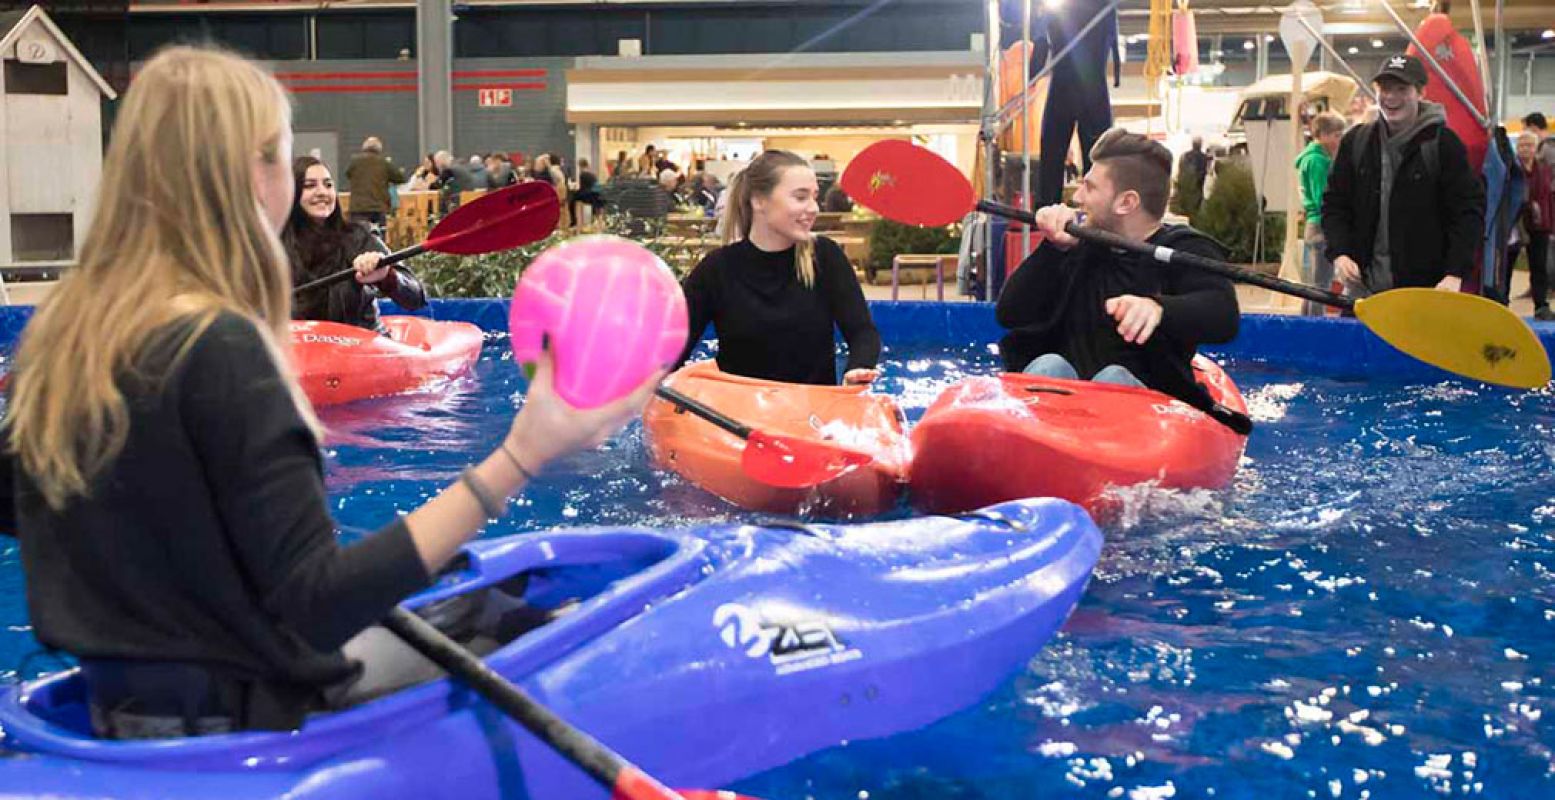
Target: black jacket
{"type": "Point", "coordinates": [317, 254]}
{"type": "Point", "coordinates": [208, 539]}
{"type": "Point", "coordinates": [1435, 226]}
{"type": "Point", "coordinates": [1054, 303]}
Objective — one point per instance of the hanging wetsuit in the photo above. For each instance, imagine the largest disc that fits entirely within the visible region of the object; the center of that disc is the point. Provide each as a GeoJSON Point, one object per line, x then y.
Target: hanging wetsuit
{"type": "Point", "coordinates": [1079, 94]}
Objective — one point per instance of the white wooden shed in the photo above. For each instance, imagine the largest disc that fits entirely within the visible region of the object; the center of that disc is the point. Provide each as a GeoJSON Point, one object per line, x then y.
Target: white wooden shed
{"type": "Point", "coordinates": [51, 144]}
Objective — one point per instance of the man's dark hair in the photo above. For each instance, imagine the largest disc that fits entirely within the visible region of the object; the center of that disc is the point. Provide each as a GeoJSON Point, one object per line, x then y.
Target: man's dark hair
{"type": "Point", "coordinates": [1138, 163]}
{"type": "Point", "coordinates": [1536, 120]}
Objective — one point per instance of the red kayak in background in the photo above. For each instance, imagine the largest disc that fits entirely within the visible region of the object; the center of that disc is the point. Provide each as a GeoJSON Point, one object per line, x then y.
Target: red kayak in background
{"type": "Point", "coordinates": [339, 363]}
{"type": "Point", "coordinates": [987, 440]}
{"type": "Point", "coordinates": [1453, 52]}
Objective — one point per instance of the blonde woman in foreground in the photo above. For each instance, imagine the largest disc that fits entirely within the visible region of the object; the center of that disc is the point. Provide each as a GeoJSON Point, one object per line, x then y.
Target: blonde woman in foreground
{"type": "Point", "coordinates": [168, 484]}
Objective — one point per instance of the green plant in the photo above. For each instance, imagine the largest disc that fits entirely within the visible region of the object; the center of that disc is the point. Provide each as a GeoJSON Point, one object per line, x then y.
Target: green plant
{"type": "Point", "coordinates": [1187, 194]}
{"type": "Point", "coordinates": [495, 274]}
{"type": "Point", "coordinates": [1230, 215]}
{"type": "Point", "coordinates": [889, 239]}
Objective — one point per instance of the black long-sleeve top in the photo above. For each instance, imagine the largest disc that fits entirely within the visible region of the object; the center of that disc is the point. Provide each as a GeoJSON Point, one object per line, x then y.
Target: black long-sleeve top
{"type": "Point", "coordinates": [770, 325]}
{"type": "Point", "coordinates": [1055, 303]}
{"type": "Point", "coordinates": [207, 540]}
{"type": "Point", "coordinates": [319, 253]}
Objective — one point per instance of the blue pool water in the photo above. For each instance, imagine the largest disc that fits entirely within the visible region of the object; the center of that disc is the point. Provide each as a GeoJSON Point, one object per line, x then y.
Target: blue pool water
{"type": "Point", "coordinates": [1368, 612]}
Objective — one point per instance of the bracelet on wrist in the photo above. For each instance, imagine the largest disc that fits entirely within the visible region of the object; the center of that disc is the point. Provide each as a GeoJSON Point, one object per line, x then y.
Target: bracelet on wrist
{"type": "Point", "coordinates": [490, 505]}
{"type": "Point", "coordinates": [518, 465]}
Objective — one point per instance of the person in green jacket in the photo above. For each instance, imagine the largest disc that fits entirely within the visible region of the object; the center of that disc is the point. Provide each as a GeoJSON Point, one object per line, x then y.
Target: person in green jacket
{"type": "Point", "coordinates": [1312, 167]}
{"type": "Point", "coordinates": [370, 174]}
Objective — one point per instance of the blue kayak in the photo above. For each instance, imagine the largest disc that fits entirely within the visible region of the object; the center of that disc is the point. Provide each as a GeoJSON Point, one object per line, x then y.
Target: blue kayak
{"type": "Point", "coordinates": [704, 655]}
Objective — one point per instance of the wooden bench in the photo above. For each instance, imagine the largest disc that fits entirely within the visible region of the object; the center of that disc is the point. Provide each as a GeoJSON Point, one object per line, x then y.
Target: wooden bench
{"type": "Point", "coordinates": [936, 264]}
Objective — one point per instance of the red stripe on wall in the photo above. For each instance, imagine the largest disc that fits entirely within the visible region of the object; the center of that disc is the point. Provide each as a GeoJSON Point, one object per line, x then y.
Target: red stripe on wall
{"type": "Point", "coordinates": [342, 76]}
{"type": "Point", "coordinates": [517, 87]}
{"type": "Point", "coordinates": [352, 89]}
{"type": "Point", "coordinates": [499, 73]}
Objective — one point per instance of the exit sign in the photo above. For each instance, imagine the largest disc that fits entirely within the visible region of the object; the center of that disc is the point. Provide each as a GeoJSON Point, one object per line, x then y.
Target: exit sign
{"type": "Point", "coordinates": [496, 98]}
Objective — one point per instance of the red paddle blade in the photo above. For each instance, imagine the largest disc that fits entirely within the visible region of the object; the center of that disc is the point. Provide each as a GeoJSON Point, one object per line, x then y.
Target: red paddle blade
{"type": "Point", "coordinates": [634, 784]}
{"type": "Point", "coordinates": [901, 181]}
{"type": "Point", "coordinates": [792, 463]}
{"type": "Point", "coordinates": [499, 220]}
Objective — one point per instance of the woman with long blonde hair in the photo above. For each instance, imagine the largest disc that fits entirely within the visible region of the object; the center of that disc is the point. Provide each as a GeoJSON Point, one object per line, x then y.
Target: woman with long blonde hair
{"type": "Point", "coordinates": [168, 484]}
{"type": "Point", "coordinates": [775, 291]}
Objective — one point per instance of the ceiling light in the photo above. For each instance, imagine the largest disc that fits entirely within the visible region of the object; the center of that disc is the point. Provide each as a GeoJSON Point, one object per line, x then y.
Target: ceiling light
{"type": "Point", "coordinates": [1354, 50]}
{"type": "Point", "coordinates": [1376, 43]}
{"type": "Point", "coordinates": [1268, 37]}
{"type": "Point", "coordinates": [1248, 45]}
{"type": "Point", "coordinates": [1549, 33]}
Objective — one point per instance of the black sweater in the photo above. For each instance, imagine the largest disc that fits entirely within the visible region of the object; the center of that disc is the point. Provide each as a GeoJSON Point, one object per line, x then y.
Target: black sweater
{"type": "Point", "coordinates": [1055, 303]}
{"type": "Point", "coordinates": [769, 325]}
{"type": "Point", "coordinates": [207, 539]}
{"type": "Point", "coordinates": [317, 253]}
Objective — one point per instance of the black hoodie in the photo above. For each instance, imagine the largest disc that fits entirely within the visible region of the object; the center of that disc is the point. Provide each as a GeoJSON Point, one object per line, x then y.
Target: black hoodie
{"type": "Point", "coordinates": [1055, 303]}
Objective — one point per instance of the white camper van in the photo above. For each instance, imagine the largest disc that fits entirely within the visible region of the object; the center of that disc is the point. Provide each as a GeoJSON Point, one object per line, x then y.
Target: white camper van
{"type": "Point", "coordinates": [1262, 120]}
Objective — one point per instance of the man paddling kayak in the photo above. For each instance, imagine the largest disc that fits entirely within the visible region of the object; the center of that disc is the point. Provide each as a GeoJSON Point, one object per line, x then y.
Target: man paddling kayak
{"type": "Point", "coordinates": [1081, 310]}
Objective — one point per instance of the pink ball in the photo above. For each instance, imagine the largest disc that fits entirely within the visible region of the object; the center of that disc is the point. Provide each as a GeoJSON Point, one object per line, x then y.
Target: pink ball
{"type": "Point", "coordinates": [613, 312]}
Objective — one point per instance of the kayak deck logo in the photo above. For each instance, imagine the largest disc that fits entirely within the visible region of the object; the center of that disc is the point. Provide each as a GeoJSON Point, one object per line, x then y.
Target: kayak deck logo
{"type": "Point", "coordinates": [790, 646]}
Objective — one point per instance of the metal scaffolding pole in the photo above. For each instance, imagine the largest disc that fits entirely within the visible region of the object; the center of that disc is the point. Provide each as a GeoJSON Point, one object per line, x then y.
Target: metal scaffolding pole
{"type": "Point", "coordinates": [1025, 127]}
{"type": "Point", "coordinates": [990, 135]}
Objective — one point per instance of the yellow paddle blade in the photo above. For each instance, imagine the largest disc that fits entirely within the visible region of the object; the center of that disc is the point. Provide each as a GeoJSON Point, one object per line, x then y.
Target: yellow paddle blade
{"type": "Point", "coordinates": [1461, 333]}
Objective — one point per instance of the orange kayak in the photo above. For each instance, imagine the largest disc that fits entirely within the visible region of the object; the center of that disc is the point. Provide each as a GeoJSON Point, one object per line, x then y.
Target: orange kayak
{"type": "Point", "coordinates": [339, 363]}
{"type": "Point", "coordinates": [987, 440]}
{"type": "Point", "coordinates": [709, 457]}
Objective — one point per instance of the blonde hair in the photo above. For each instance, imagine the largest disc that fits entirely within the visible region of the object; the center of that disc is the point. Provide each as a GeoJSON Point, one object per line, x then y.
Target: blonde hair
{"type": "Point", "coordinates": [1327, 123]}
{"type": "Point", "coordinates": [762, 177]}
{"type": "Point", "coordinates": [178, 237]}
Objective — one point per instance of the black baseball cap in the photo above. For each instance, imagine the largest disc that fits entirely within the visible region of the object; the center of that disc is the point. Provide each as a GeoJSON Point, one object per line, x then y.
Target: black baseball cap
{"type": "Point", "coordinates": [1405, 68]}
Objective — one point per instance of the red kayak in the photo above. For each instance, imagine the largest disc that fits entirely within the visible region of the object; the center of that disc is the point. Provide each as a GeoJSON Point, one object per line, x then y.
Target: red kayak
{"type": "Point", "coordinates": [988, 440]}
{"type": "Point", "coordinates": [339, 363]}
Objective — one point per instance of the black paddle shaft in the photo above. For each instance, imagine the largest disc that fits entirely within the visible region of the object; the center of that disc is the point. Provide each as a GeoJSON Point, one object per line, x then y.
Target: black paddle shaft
{"type": "Point", "coordinates": [598, 761]}
{"type": "Point", "coordinates": [387, 261]}
{"type": "Point", "coordinates": [1173, 256]}
{"type": "Point", "coordinates": [682, 401]}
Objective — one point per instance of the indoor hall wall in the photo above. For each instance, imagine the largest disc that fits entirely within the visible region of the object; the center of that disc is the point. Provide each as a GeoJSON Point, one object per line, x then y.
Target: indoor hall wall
{"type": "Point", "coordinates": [358, 98]}
{"type": "Point", "coordinates": [535, 123]}
{"type": "Point", "coordinates": [355, 99]}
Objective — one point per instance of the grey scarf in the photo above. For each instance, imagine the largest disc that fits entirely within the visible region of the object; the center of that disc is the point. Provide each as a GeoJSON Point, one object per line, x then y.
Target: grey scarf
{"type": "Point", "coordinates": [1379, 277]}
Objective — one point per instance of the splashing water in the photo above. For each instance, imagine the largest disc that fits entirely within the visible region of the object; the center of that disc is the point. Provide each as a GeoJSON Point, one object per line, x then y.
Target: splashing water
{"type": "Point", "coordinates": [1368, 612]}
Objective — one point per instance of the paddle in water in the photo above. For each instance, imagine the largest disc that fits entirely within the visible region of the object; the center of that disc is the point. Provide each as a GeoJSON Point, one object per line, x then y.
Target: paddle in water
{"type": "Point", "coordinates": [499, 220]}
{"type": "Point", "coordinates": [612, 314]}
{"type": "Point", "coordinates": [787, 462]}
{"type": "Point", "coordinates": [624, 780]}
{"type": "Point", "coordinates": [1461, 333]}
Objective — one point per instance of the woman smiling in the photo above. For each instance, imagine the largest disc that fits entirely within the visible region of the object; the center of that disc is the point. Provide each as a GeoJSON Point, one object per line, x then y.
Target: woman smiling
{"type": "Point", "coordinates": [775, 291]}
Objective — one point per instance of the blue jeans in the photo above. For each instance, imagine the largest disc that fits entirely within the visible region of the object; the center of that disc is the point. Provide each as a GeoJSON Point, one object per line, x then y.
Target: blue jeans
{"type": "Point", "coordinates": [1054, 365]}
{"type": "Point", "coordinates": [1316, 269]}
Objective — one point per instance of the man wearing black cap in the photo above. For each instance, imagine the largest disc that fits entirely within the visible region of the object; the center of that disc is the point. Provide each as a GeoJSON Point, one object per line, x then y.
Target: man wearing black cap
{"type": "Point", "coordinates": [1403, 206]}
